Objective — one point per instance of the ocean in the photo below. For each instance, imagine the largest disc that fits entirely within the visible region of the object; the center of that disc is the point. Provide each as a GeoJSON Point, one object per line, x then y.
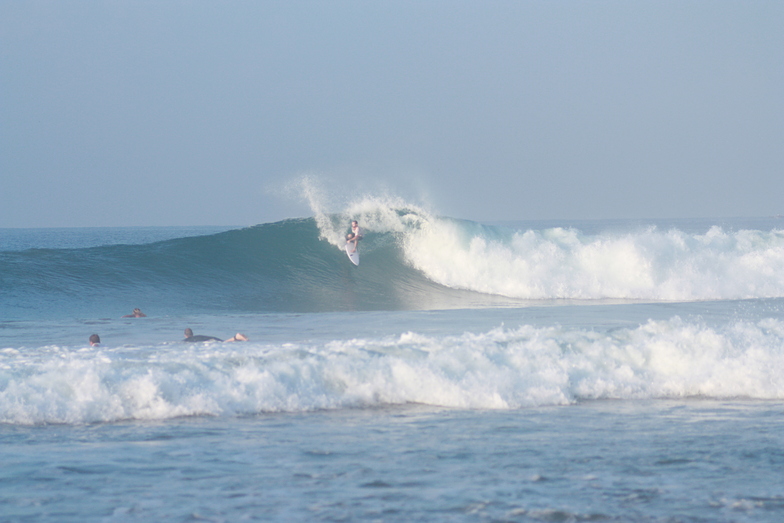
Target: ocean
{"type": "Point", "coordinates": [557, 371]}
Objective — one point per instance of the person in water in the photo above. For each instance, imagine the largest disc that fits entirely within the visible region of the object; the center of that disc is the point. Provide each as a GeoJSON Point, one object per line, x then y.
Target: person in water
{"type": "Point", "coordinates": [190, 338]}
{"type": "Point", "coordinates": [95, 340]}
{"type": "Point", "coordinates": [355, 235]}
{"type": "Point", "coordinates": [137, 313]}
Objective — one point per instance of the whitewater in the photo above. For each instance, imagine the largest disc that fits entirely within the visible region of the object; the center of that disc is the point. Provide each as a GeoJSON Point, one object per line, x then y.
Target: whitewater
{"type": "Point", "coordinates": [500, 368]}
{"type": "Point", "coordinates": [518, 371]}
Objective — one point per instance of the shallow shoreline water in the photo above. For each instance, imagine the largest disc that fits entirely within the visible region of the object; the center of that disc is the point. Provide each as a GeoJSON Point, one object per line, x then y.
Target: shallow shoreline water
{"type": "Point", "coordinates": [652, 460]}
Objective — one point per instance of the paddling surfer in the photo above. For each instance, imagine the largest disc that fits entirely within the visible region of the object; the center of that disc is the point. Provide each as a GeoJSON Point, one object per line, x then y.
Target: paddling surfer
{"type": "Point", "coordinates": [190, 338]}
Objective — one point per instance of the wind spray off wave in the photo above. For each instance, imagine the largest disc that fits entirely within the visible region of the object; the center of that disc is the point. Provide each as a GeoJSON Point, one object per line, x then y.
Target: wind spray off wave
{"type": "Point", "coordinates": [645, 263]}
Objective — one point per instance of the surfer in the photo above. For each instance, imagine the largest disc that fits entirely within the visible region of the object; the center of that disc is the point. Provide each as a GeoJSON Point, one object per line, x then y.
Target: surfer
{"type": "Point", "coordinates": [190, 338]}
{"type": "Point", "coordinates": [95, 340]}
{"type": "Point", "coordinates": [355, 235]}
{"type": "Point", "coordinates": [137, 313]}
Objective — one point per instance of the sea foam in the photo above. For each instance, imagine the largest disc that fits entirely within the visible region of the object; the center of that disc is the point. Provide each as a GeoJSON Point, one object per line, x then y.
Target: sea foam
{"type": "Point", "coordinates": [642, 263]}
{"type": "Point", "coordinates": [567, 264]}
{"type": "Point", "coordinates": [501, 368]}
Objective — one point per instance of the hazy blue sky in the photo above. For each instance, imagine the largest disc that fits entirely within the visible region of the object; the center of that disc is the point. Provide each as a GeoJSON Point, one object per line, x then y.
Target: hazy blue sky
{"type": "Point", "coordinates": [197, 113]}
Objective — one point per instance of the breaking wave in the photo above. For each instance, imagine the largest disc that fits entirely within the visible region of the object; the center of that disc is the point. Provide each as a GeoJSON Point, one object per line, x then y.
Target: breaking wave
{"type": "Point", "coordinates": [501, 368]}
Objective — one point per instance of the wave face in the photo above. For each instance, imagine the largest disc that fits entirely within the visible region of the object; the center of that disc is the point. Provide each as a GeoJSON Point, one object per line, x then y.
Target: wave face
{"type": "Point", "coordinates": [411, 260]}
{"type": "Point", "coordinates": [499, 368]}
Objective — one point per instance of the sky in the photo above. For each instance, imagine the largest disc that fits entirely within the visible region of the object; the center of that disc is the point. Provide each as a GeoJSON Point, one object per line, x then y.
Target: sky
{"type": "Point", "coordinates": [145, 113]}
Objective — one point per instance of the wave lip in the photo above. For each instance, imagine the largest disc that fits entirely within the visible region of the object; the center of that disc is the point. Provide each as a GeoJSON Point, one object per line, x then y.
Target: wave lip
{"type": "Point", "coordinates": [498, 369]}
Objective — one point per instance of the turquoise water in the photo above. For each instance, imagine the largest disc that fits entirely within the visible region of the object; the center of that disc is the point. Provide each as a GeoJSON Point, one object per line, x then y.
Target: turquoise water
{"type": "Point", "coordinates": [603, 371]}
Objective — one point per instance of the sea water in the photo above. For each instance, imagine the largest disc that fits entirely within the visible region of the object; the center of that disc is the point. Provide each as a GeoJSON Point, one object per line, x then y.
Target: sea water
{"type": "Point", "coordinates": [528, 371]}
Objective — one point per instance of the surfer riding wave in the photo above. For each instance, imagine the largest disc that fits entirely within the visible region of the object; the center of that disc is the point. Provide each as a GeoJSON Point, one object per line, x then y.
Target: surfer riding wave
{"type": "Point", "coordinates": [355, 235]}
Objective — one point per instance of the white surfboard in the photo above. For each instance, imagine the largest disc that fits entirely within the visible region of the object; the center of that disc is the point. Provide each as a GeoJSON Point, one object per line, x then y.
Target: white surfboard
{"type": "Point", "coordinates": [353, 256]}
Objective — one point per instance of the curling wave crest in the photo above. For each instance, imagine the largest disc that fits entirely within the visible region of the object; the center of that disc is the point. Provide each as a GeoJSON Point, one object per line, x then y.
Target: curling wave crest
{"type": "Point", "coordinates": [645, 263]}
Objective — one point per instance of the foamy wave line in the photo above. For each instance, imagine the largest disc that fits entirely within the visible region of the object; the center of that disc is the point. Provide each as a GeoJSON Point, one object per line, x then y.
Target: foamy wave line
{"type": "Point", "coordinates": [565, 264]}
{"type": "Point", "coordinates": [499, 369]}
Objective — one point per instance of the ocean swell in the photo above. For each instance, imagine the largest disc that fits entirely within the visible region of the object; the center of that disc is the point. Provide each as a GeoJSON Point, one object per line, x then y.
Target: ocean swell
{"type": "Point", "coordinates": [410, 260]}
